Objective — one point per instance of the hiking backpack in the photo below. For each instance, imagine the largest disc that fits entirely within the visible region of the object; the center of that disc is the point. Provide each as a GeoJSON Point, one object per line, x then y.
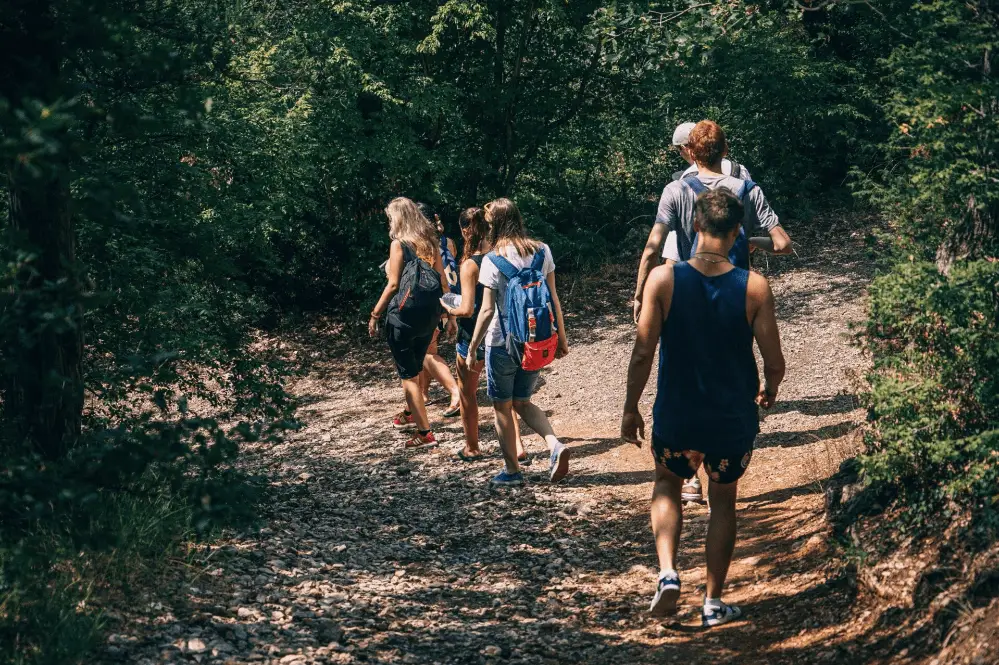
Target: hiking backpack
{"type": "Point", "coordinates": [417, 305]}
{"type": "Point", "coordinates": [736, 171]}
{"type": "Point", "coordinates": [450, 267]}
{"type": "Point", "coordinates": [528, 325]}
{"type": "Point", "coordinates": [739, 254]}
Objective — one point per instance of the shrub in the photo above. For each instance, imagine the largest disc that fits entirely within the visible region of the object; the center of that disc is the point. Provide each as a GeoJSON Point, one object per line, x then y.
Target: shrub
{"type": "Point", "coordinates": [934, 400]}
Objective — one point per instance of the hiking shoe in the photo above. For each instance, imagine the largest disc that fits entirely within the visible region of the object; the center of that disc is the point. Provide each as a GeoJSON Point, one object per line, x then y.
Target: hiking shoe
{"type": "Point", "coordinates": [691, 490]}
{"type": "Point", "coordinates": [558, 465]}
{"type": "Point", "coordinates": [421, 440]}
{"type": "Point", "coordinates": [716, 616]}
{"type": "Point", "coordinates": [506, 479]}
{"type": "Point", "coordinates": [404, 421]}
{"type": "Point", "coordinates": [667, 593]}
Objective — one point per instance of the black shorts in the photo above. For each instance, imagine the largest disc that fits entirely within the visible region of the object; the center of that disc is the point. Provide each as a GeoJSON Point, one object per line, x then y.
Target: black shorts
{"type": "Point", "coordinates": [724, 464]}
{"type": "Point", "coordinates": [407, 351]}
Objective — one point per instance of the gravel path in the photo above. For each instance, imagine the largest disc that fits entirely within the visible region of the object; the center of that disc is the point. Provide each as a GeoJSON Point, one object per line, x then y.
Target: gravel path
{"type": "Point", "coordinates": [376, 555]}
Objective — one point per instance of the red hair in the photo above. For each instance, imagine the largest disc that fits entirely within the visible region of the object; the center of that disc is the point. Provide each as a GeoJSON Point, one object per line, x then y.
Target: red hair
{"type": "Point", "coordinates": [707, 143]}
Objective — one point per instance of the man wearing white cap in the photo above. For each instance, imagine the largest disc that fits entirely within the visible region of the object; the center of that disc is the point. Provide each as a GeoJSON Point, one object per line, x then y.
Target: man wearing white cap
{"type": "Point", "coordinates": [681, 135]}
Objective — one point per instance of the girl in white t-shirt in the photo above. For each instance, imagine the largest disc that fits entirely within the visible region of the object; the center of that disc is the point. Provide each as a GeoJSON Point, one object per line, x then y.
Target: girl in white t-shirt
{"type": "Point", "coordinates": [508, 384]}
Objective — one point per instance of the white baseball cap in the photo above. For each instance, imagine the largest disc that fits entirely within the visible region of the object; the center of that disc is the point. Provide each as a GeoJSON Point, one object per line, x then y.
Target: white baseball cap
{"type": "Point", "coordinates": [682, 133]}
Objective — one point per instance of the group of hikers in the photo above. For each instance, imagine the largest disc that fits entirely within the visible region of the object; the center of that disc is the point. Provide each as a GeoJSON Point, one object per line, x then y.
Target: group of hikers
{"type": "Point", "coordinates": [702, 307]}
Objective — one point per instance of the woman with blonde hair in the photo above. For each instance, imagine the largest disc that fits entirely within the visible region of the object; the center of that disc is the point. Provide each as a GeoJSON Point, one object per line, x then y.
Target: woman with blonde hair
{"type": "Point", "coordinates": [512, 381]}
{"type": "Point", "coordinates": [411, 300]}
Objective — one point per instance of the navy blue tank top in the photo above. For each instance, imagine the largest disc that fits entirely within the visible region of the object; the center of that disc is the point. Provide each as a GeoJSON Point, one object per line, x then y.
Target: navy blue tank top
{"type": "Point", "coordinates": [708, 381]}
{"type": "Point", "coordinates": [450, 267]}
{"type": "Point", "coordinates": [466, 327]}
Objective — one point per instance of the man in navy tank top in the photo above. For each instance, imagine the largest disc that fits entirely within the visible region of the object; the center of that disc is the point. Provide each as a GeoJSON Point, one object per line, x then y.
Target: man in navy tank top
{"type": "Point", "coordinates": [703, 314]}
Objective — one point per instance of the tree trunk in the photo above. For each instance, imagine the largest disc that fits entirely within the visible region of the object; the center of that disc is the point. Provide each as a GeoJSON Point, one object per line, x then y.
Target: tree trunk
{"type": "Point", "coordinates": [43, 385]}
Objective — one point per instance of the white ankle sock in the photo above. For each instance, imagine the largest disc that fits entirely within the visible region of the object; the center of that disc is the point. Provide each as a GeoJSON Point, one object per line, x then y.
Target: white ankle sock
{"type": "Point", "coordinates": [666, 571]}
{"type": "Point", "coordinates": [713, 603]}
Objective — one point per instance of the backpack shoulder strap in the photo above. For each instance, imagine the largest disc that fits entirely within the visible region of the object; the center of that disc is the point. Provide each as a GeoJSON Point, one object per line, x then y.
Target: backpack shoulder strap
{"type": "Point", "coordinates": [503, 265]}
{"type": "Point", "coordinates": [747, 187]}
{"type": "Point", "coordinates": [538, 262]}
{"type": "Point", "coordinates": [695, 184]}
{"type": "Point", "coordinates": [407, 252]}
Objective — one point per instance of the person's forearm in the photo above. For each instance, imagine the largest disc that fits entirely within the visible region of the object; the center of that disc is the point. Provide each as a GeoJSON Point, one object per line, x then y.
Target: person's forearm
{"type": "Point", "coordinates": [773, 374]}
{"type": "Point", "coordinates": [481, 326]}
{"type": "Point", "coordinates": [759, 242]}
{"type": "Point", "coordinates": [382, 304]}
{"type": "Point", "coordinates": [781, 241]}
{"type": "Point", "coordinates": [559, 321]}
{"type": "Point", "coordinates": [463, 311]}
{"type": "Point", "coordinates": [638, 376]}
{"type": "Point", "coordinates": [644, 268]}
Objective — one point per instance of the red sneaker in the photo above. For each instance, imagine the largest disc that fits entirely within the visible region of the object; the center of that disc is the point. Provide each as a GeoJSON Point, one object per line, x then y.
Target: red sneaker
{"type": "Point", "coordinates": [404, 421]}
{"type": "Point", "coordinates": [421, 440]}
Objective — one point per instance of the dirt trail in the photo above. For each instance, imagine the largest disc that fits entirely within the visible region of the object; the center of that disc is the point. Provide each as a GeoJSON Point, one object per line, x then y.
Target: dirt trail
{"type": "Point", "coordinates": [376, 555]}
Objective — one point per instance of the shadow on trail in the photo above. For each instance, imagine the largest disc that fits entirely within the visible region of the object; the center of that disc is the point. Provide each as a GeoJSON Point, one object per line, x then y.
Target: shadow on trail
{"type": "Point", "coordinates": [410, 556]}
{"type": "Point", "coordinates": [793, 439]}
{"type": "Point", "coordinates": [816, 406]}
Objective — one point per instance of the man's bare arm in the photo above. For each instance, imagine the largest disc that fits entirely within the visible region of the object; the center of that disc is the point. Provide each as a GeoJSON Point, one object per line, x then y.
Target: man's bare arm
{"type": "Point", "coordinates": [781, 241]}
{"type": "Point", "coordinates": [767, 335]}
{"type": "Point", "coordinates": [657, 297]}
{"type": "Point", "coordinates": [653, 248]}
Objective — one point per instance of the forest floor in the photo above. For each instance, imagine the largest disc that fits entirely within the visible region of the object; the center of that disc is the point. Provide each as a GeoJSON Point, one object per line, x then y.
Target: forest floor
{"type": "Point", "coordinates": [373, 554]}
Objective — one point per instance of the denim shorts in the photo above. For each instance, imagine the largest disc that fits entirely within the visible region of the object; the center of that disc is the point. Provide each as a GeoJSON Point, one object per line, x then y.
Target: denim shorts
{"type": "Point", "coordinates": [461, 348]}
{"type": "Point", "coordinates": [505, 379]}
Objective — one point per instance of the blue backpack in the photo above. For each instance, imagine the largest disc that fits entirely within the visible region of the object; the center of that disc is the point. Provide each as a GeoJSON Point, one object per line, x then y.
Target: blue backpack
{"type": "Point", "coordinates": [739, 254]}
{"type": "Point", "coordinates": [450, 267]}
{"type": "Point", "coordinates": [528, 325]}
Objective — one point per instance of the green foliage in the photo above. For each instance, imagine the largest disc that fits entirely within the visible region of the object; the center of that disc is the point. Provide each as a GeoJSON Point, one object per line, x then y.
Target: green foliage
{"type": "Point", "coordinates": [934, 405]}
{"type": "Point", "coordinates": [934, 400]}
{"type": "Point", "coordinates": [120, 278]}
{"type": "Point", "coordinates": [939, 167]}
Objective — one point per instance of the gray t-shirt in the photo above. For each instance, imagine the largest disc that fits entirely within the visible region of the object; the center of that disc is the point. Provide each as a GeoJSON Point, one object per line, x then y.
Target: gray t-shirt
{"type": "Point", "coordinates": [491, 278]}
{"type": "Point", "coordinates": [676, 211]}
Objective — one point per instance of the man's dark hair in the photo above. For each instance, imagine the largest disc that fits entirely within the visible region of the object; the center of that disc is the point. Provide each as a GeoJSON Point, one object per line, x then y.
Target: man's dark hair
{"type": "Point", "coordinates": [718, 212]}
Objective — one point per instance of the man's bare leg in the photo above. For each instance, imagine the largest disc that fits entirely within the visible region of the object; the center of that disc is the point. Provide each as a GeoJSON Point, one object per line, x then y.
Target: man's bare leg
{"type": "Point", "coordinates": [721, 535]}
{"type": "Point", "coordinates": [667, 516]}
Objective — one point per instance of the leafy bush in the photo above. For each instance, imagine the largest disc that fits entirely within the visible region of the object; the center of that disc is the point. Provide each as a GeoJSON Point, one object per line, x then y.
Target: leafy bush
{"type": "Point", "coordinates": [934, 400]}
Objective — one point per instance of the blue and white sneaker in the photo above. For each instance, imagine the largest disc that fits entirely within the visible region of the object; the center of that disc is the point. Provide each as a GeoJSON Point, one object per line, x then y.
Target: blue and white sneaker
{"type": "Point", "coordinates": [558, 465]}
{"type": "Point", "coordinates": [506, 479]}
{"type": "Point", "coordinates": [667, 594]}
{"type": "Point", "coordinates": [716, 616]}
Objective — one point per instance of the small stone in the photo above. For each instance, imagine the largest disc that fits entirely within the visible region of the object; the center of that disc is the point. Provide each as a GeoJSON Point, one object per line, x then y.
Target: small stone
{"type": "Point", "coordinates": [196, 645]}
{"type": "Point", "coordinates": [305, 476]}
{"type": "Point", "coordinates": [492, 651]}
{"type": "Point", "coordinates": [244, 612]}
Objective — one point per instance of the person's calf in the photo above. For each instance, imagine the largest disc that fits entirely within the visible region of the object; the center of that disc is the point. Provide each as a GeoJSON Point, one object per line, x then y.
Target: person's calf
{"type": "Point", "coordinates": [720, 541]}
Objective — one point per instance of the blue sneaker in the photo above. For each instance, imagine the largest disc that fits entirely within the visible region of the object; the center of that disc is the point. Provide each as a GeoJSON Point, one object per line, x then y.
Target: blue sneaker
{"type": "Point", "coordinates": [505, 479]}
{"type": "Point", "coordinates": [558, 465]}
{"type": "Point", "coordinates": [667, 593]}
{"type": "Point", "coordinates": [716, 616]}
